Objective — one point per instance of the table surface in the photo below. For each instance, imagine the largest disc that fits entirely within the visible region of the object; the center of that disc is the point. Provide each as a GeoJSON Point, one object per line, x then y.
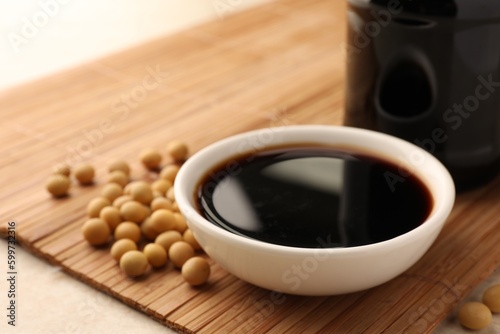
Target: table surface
{"type": "Point", "coordinates": [31, 150]}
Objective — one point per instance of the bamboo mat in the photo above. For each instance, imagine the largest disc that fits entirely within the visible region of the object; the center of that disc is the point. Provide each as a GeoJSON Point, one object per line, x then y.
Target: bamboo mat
{"type": "Point", "coordinates": [274, 65]}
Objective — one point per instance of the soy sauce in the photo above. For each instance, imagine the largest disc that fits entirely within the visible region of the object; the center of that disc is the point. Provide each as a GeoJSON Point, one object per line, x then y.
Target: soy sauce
{"type": "Point", "coordinates": [313, 197]}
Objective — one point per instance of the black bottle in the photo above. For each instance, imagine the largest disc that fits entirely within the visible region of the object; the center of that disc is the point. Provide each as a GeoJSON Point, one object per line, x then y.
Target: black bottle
{"type": "Point", "coordinates": [428, 71]}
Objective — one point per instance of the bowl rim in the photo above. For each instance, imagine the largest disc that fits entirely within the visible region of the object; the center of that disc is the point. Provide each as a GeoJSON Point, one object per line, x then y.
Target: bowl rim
{"type": "Point", "coordinates": [442, 205]}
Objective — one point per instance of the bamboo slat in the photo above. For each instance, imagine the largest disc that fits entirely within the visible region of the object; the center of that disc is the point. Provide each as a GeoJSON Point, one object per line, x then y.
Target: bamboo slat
{"type": "Point", "coordinates": [278, 64]}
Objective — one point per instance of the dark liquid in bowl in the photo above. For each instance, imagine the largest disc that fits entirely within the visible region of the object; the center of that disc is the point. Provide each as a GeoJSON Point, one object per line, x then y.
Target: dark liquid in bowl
{"type": "Point", "coordinates": [313, 197]}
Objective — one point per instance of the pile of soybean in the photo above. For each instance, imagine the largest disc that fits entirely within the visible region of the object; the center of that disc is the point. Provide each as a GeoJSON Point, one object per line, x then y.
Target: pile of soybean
{"type": "Point", "coordinates": [130, 213]}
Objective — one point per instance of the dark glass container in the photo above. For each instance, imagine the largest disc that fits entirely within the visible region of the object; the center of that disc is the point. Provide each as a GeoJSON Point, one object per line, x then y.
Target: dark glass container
{"type": "Point", "coordinates": [428, 71]}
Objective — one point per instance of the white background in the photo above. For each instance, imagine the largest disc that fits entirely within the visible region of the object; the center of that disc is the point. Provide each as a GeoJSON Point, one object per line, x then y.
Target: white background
{"type": "Point", "coordinates": [40, 37]}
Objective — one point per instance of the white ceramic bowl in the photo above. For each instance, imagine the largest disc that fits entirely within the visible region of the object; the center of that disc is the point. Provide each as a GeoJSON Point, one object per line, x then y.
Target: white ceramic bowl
{"type": "Point", "coordinates": [316, 271]}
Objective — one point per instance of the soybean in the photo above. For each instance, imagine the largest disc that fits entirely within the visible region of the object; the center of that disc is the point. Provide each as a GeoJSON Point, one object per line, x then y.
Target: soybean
{"type": "Point", "coordinates": [122, 246]}
{"type": "Point", "coordinates": [175, 207]}
{"type": "Point", "coordinates": [474, 315]}
{"type": "Point", "coordinates": [134, 263]}
{"type": "Point", "coordinates": [58, 185]}
{"type": "Point", "coordinates": [160, 203]}
{"type": "Point", "coordinates": [96, 231]}
{"type": "Point", "coordinates": [196, 271]}
{"type": "Point", "coordinates": [491, 298]}
{"type": "Point", "coordinates": [151, 158]}
{"type": "Point", "coordinates": [178, 150]}
{"type": "Point", "coordinates": [85, 174]}
{"type": "Point", "coordinates": [118, 202]}
{"type": "Point", "coordinates": [119, 165]}
{"type": "Point", "coordinates": [189, 238]}
{"type": "Point", "coordinates": [141, 192]}
{"type": "Point", "coordinates": [62, 169]}
{"type": "Point", "coordinates": [180, 222]}
{"type": "Point", "coordinates": [167, 239]}
{"type": "Point", "coordinates": [95, 206]}
{"type": "Point", "coordinates": [161, 185]}
{"type": "Point", "coordinates": [119, 177]}
{"type": "Point", "coordinates": [171, 194]}
{"type": "Point", "coordinates": [147, 229]}
{"type": "Point", "coordinates": [128, 230]}
{"type": "Point", "coordinates": [180, 252]}
{"type": "Point", "coordinates": [163, 220]}
{"type": "Point", "coordinates": [169, 173]}
{"type": "Point", "coordinates": [112, 191]}
{"type": "Point", "coordinates": [111, 216]}
{"type": "Point", "coordinates": [133, 211]}
{"type": "Point", "coordinates": [156, 254]}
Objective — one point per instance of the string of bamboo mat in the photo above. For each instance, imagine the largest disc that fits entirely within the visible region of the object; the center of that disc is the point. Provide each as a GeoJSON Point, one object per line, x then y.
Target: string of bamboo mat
{"type": "Point", "coordinates": [278, 64]}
